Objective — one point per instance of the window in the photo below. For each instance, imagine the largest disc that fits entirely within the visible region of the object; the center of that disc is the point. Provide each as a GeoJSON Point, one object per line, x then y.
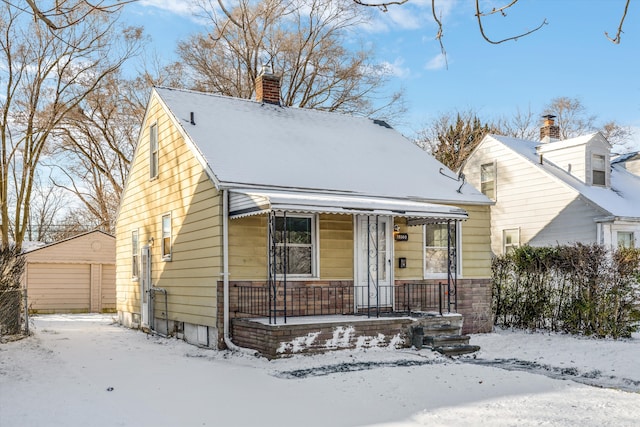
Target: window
{"type": "Point", "coordinates": [135, 265]}
{"type": "Point", "coordinates": [166, 237]}
{"type": "Point", "coordinates": [153, 151]}
{"type": "Point", "coordinates": [436, 245]}
{"type": "Point", "coordinates": [488, 180]}
{"type": "Point", "coordinates": [598, 170]}
{"type": "Point", "coordinates": [510, 240]}
{"type": "Point", "coordinates": [294, 240]}
{"type": "Point", "coordinates": [626, 239]}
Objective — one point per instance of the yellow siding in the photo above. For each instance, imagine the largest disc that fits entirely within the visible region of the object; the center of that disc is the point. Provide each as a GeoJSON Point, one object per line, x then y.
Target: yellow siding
{"type": "Point", "coordinates": [411, 249]}
{"type": "Point", "coordinates": [336, 247]}
{"type": "Point", "coordinates": [182, 189]}
{"type": "Point", "coordinates": [476, 243]}
{"type": "Point", "coordinates": [248, 248]}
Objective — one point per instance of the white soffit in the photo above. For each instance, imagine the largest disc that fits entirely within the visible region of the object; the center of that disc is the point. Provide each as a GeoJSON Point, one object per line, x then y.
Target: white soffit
{"type": "Point", "coordinates": [254, 202]}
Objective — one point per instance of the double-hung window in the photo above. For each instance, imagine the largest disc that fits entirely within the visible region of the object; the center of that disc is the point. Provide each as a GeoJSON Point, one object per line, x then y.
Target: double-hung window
{"type": "Point", "coordinates": [135, 253]}
{"type": "Point", "coordinates": [153, 151]}
{"type": "Point", "coordinates": [598, 170]}
{"type": "Point", "coordinates": [488, 180]}
{"type": "Point", "coordinates": [294, 245]}
{"type": "Point", "coordinates": [166, 237]}
{"type": "Point", "coordinates": [437, 242]}
{"type": "Point", "coordinates": [510, 239]}
{"type": "Point", "coordinates": [626, 239]}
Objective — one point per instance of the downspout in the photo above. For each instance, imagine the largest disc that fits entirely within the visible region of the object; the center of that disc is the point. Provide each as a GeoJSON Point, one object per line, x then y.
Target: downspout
{"type": "Point", "coordinates": [225, 277]}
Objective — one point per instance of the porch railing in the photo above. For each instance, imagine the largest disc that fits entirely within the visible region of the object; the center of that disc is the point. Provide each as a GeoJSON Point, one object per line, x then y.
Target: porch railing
{"type": "Point", "coordinates": [312, 300]}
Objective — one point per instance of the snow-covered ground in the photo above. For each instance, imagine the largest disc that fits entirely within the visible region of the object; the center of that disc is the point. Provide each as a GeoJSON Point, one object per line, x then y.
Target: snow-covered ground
{"type": "Point", "coordinates": [83, 370]}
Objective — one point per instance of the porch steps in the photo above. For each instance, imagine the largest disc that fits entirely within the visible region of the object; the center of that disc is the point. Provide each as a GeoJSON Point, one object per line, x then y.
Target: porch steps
{"type": "Point", "coordinates": [450, 345]}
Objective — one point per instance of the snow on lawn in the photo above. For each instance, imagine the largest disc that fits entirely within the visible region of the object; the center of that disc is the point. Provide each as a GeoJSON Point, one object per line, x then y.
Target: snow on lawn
{"type": "Point", "coordinates": [83, 370]}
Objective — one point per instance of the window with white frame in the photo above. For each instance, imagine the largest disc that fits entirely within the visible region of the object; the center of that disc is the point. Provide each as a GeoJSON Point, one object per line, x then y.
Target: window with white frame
{"type": "Point", "coordinates": [135, 253]}
{"type": "Point", "coordinates": [153, 151]}
{"type": "Point", "coordinates": [437, 243]}
{"type": "Point", "coordinates": [598, 170]}
{"type": "Point", "coordinates": [510, 240]}
{"type": "Point", "coordinates": [626, 239]}
{"type": "Point", "coordinates": [488, 180]}
{"type": "Point", "coordinates": [295, 245]}
{"type": "Point", "coordinates": [166, 237]}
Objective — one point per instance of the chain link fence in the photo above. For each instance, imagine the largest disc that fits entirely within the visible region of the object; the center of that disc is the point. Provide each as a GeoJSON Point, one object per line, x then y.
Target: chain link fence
{"type": "Point", "coordinates": [14, 313]}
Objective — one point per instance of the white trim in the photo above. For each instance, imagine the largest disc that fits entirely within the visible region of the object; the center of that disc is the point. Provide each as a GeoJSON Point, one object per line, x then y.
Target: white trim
{"type": "Point", "coordinates": [166, 257]}
{"type": "Point", "coordinates": [315, 248]}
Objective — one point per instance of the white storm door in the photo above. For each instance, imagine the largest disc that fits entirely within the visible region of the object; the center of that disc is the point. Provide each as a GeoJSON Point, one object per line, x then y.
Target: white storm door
{"type": "Point", "coordinates": [373, 262]}
{"type": "Point", "coordinates": [145, 284]}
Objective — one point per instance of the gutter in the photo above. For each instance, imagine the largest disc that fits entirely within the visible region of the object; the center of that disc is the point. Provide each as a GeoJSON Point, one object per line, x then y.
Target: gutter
{"type": "Point", "coordinates": [225, 278]}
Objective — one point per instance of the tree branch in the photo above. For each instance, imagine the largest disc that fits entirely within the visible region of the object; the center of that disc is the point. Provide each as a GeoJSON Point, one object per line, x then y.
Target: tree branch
{"type": "Point", "coordinates": [501, 10]}
{"type": "Point", "coordinates": [616, 39]}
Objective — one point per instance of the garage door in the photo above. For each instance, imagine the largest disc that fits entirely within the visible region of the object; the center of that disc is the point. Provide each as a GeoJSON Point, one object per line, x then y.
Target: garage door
{"type": "Point", "coordinates": [59, 288]}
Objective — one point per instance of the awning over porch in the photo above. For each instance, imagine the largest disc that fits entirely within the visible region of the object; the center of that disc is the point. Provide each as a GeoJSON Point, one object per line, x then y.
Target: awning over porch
{"type": "Point", "coordinates": [246, 202]}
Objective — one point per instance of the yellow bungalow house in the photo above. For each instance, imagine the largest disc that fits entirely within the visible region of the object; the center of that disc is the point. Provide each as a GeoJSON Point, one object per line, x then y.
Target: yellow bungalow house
{"type": "Point", "coordinates": [284, 229]}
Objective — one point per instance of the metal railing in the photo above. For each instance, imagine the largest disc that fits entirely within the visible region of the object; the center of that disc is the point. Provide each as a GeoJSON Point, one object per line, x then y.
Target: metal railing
{"type": "Point", "coordinates": [313, 300]}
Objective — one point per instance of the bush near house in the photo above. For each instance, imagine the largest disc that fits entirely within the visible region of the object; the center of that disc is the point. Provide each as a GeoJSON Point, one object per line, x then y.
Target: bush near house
{"type": "Point", "coordinates": [580, 289]}
{"type": "Point", "coordinates": [11, 270]}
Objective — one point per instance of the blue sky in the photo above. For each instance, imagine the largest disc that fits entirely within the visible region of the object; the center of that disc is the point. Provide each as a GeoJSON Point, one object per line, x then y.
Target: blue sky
{"type": "Point", "coordinates": [570, 56]}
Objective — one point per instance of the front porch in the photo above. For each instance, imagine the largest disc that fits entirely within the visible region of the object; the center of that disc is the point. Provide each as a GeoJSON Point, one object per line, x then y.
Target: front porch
{"type": "Point", "coordinates": [311, 317]}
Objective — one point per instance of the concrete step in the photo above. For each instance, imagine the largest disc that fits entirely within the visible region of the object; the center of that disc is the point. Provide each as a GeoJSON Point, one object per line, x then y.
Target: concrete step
{"type": "Point", "coordinates": [441, 330]}
{"type": "Point", "coordinates": [456, 350]}
{"type": "Point", "coordinates": [445, 340]}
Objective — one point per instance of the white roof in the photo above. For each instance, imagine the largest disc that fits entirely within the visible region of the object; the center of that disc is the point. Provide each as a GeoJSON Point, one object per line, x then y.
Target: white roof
{"type": "Point", "coordinates": [247, 144]}
{"type": "Point", "coordinates": [621, 200]}
{"type": "Point", "coordinates": [245, 202]}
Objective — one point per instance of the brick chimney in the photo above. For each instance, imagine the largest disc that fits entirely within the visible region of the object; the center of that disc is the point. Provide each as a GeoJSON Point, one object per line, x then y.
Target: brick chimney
{"type": "Point", "coordinates": [268, 87]}
{"type": "Point", "coordinates": [549, 130]}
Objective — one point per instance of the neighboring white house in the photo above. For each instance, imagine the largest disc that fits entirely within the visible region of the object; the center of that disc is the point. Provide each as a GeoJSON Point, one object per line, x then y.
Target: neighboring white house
{"type": "Point", "coordinates": [629, 161]}
{"type": "Point", "coordinates": [555, 191]}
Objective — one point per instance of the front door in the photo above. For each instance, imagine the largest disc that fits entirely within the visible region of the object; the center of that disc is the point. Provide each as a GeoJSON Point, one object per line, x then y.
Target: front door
{"type": "Point", "coordinates": [373, 262]}
{"type": "Point", "coordinates": [145, 284]}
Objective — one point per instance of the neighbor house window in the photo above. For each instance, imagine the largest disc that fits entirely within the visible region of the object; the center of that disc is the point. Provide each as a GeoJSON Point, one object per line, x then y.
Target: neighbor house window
{"type": "Point", "coordinates": [598, 170]}
{"type": "Point", "coordinates": [135, 265]}
{"type": "Point", "coordinates": [294, 245]}
{"type": "Point", "coordinates": [437, 242]}
{"type": "Point", "coordinates": [510, 240]}
{"type": "Point", "coordinates": [488, 180]}
{"type": "Point", "coordinates": [153, 151]}
{"type": "Point", "coordinates": [166, 237]}
{"type": "Point", "coordinates": [626, 239]}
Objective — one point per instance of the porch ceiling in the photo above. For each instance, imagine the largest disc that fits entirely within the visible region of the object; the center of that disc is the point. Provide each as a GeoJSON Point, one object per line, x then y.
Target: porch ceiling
{"type": "Point", "coordinates": [246, 202]}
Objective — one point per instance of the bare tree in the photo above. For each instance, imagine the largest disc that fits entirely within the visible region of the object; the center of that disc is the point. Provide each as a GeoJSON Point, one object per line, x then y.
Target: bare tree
{"type": "Point", "coordinates": [523, 124]}
{"type": "Point", "coordinates": [303, 40]}
{"type": "Point", "coordinates": [481, 14]}
{"type": "Point", "coordinates": [96, 144]}
{"type": "Point", "coordinates": [45, 77]}
{"type": "Point", "coordinates": [47, 203]}
{"type": "Point", "coordinates": [60, 14]}
{"type": "Point", "coordinates": [574, 120]}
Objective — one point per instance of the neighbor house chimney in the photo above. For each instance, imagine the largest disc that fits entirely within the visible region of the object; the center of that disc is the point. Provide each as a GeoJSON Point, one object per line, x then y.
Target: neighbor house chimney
{"type": "Point", "coordinates": [549, 130]}
{"type": "Point", "coordinates": [268, 87]}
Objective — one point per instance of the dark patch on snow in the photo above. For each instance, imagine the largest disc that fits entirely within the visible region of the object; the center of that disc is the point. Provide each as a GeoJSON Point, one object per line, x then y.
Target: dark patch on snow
{"type": "Point", "coordinates": [352, 367]}
{"type": "Point", "coordinates": [593, 378]}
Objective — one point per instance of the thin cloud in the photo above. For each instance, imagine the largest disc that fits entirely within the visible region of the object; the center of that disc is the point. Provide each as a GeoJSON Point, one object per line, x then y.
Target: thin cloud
{"type": "Point", "coordinates": [396, 68]}
{"type": "Point", "coordinates": [438, 62]}
{"type": "Point", "coordinates": [179, 7]}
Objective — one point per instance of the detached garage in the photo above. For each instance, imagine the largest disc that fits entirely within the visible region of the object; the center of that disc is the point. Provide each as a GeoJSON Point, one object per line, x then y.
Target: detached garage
{"type": "Point", "coordinates": [75, 275]}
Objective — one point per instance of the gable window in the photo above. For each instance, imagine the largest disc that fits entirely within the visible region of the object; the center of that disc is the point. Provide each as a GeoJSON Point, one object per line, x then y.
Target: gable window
{"type": "Point", "coordinates": [598, 170]}
{"type": "Point", "coordinates": [626, 239]}
{"type": "Point", "coordinates": [295, 241]}
{"type": "Point", "coordinates": [166, 237]}
{"type": "Point", "coordinates": [510, 240]}
{"type": "Point", "coordinates": [135, 266]}
{"type": "Point", "coordinates": [153, 151]}
{"type": "Point", "coordinates": [436, 245]}
{"type": "Point", "coordinates": [488, 180]}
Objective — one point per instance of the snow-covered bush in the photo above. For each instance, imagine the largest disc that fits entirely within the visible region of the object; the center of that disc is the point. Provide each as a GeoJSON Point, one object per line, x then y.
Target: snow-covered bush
{"type": "Point", "coordinates": [581, 289]}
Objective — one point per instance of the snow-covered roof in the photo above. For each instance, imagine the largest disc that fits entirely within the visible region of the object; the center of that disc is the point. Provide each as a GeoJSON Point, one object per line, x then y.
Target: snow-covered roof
{"type": "Point", "coordinates": [247, 144]}
{"type": "Point", "coordinates": [626, 156]}
{"type": "Point", "coordinates": [622, 199]}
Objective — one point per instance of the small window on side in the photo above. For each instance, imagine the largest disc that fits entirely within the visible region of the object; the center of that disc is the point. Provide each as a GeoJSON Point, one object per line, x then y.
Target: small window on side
{"type": "Point", "coordinates": [153, 151]}
{"type": "Point", "coordinates": [135, 253]}
{"type": "Point", "coordinates": [488, 180]}
{"type": "Point", "coordinates": [166, 237]}
{"type": "Point", "coordinates": [510, 240]}
{"type": "Point", "coordinates": [598, 170]}
{"type": "Point", "coordinates": [626, 239]}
